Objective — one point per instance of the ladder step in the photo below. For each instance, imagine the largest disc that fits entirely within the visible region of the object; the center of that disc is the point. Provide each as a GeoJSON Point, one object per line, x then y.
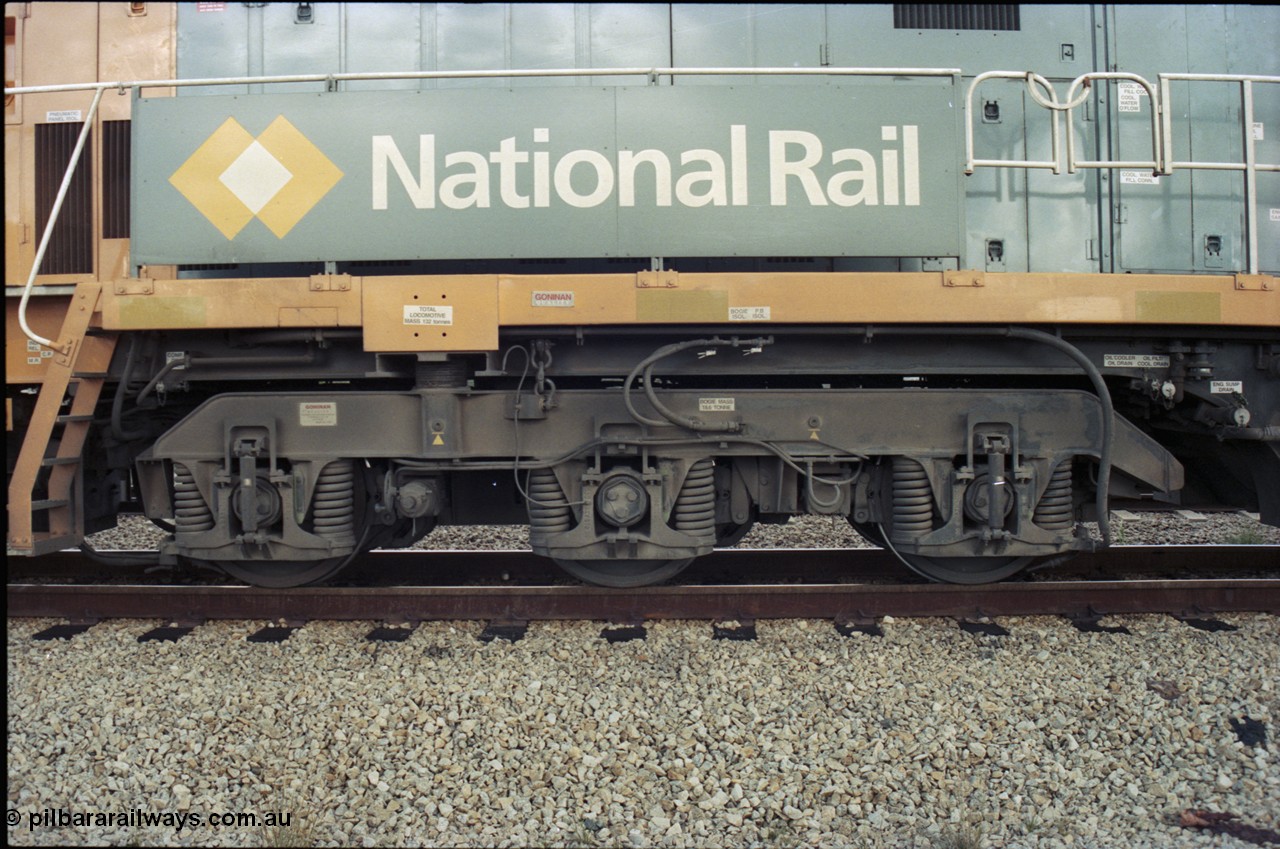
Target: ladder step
{"type": "Point", "coordinates": [46, 543]}
{"type": "Point", "coordinates": [49, 505]}
{"type": "Point", "coordinates": [88, 417]}
{"type": "Point", "coordinates": [60, 461]}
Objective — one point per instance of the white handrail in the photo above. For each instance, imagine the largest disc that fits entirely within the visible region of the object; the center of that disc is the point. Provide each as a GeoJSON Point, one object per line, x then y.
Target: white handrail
{"type": "Point", "coordinates": [53, 219]}
{"type": "Point", "coordinates": [1163, 161]}
{"type": "Point", "coordinates": [384, 76]}
{"type": "Point", "coordinates": [971, 163]}
{"type": "Point", "coordinates": [1250, 166]}
{"type": "Point", "coordinates": [1156, 163]}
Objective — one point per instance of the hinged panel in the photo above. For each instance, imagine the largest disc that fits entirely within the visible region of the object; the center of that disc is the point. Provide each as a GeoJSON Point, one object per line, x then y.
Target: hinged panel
{"type": "Point", "coordinates": [1255, 282]}
{"type": "Point", "coordinates": [657, 280]}
{"type": "Point", "coordinates": [966, 278]}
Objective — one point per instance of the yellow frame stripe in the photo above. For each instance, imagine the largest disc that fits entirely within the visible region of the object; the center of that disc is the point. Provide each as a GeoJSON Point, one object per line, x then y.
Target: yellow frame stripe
{"type": "Point", "coordinates": [481, 303]}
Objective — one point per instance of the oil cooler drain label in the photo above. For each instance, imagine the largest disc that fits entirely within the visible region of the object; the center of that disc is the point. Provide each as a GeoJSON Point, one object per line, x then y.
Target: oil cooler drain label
{"type": "Point", "coordinates": [1135, 361]}
{"type": "Point", "coordinates": [318, 413]}
{"type": "Point", "coordinates": [433, 316]}
{"type": "Point", "coordinates": [715, 405]}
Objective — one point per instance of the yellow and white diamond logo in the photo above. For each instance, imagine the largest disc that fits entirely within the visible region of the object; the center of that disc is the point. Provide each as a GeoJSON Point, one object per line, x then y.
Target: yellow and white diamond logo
{"type": "Point", "coordinates": [277, 177]}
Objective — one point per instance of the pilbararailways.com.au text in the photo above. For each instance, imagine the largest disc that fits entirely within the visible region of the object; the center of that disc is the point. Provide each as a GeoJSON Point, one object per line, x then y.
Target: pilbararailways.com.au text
{"type": "Point", "coordinates": [48, 818]}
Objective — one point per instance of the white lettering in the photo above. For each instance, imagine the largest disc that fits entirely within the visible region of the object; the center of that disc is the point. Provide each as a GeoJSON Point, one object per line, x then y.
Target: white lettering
{"type": "Point", "coordinates": [421, 191]}
{"type": "Point", "coordinates": [564, 183]}
{"type": "Point", "coordinates": [716, 194]}
{"type": "Point", "coordinates": [890, 176]}
{"type": "Point", "coordinates": [506, 157]}
{"type": "Point", "coordinates": [890, 170]}
{"type": "Point", "coordinates": [911, 165]}
{"type": "Point", "coordinates": [780, 167]}
{"type": "Point", "coordinates": [866, 176]}
{"type": "Point", "coordinates": [478, 179]}
{"type": "Point", "coordinates": [541, 181]}
{"type": "Point", "coordinates": [738, 163]}
{"type": "Point", "coordinates": [627, 162]}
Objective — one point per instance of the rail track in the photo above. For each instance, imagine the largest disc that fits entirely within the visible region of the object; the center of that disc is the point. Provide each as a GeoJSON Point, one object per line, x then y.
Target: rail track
{"type": "Point", "coordinates": [513, 587]}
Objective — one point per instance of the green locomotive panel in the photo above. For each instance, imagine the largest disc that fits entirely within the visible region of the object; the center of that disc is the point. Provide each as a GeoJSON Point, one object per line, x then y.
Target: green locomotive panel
{"type": "Point", "coordinates": [850, 170]}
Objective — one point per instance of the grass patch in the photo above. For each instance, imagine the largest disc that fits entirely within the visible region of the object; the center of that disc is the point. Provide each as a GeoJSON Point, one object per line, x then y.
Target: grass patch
{"type": "Point", "coordinates": [296, 833]}
{"type": "Point", "coordinates": [962, 837]}
{"type": "Point", "coordinates": [1248, 536]}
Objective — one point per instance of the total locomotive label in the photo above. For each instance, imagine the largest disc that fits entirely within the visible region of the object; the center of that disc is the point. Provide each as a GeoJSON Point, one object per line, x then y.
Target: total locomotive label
{"type": "Point", "coordinates": [430, 316]}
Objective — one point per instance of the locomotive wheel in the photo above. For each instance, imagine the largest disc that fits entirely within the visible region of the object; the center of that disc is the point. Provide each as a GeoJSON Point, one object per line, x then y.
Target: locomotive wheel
{"type": "Point", "coordinates": [621, 574]}
{"type": "Point", "coordinates": [965, 570]}
{"type": "Point", "coordinates": [281, 574]}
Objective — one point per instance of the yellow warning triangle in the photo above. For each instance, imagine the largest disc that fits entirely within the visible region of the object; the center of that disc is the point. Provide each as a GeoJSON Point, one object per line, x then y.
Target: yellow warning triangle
{"type": "Point", "coordinates": [438, 440]}
{"type": "Point", "coordinates": [813, 434]}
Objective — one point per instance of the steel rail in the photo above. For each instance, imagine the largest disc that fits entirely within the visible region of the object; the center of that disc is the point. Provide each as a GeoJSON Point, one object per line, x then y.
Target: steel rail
{"type": "Point", "coordinates": [841, 602]}
{"type": "Point", "coordinates": [744, 565]}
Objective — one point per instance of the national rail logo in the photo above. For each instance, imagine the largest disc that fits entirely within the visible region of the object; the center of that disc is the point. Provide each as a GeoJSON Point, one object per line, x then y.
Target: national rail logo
{"type": "Point", "coordinates": [277, 177]}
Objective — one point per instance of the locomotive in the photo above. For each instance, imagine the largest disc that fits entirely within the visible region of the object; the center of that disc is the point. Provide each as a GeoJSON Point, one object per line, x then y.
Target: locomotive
{"type": "Point", "coordinates": [298, 281]}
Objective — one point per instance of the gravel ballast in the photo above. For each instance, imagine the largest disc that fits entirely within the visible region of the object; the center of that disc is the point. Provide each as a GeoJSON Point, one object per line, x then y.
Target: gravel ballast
{"type": "Point", "coordinates": [926, 737]}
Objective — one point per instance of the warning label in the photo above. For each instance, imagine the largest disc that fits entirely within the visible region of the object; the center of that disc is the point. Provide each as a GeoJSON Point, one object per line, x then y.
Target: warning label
{"type": "Point", "coordinates": [749, 313]}
{"type": "Point", "coordinates": [1130, 97]}
{"type": "Point", "coordinates": [1139, 178]}
{"type": "Point", "coordinates": [1135, 360]}
{"type": "Point", "coordinates": [715, 405]}
{"type": "Point", "coordinates": [433, 316]}
{"type": "Point", "coordinates": [553, 299]}
{"type": "Point", "coordinates": [318, 413]}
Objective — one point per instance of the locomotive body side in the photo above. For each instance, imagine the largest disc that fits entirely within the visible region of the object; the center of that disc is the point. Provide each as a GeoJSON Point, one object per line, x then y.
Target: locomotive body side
{"type": "Point", "coordinates": [691, 272]}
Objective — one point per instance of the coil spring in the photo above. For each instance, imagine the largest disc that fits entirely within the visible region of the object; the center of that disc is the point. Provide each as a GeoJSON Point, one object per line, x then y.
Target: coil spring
{"type": "Point", "coordinates": [190, 514]}
{"type": "Point", "coordinates": [1054, 512]}
{"type": "Point", "coordinates": [695, 510]}
{"type": "Point", "coordinates": [912, 499]}
{"type": "Point", "coordinates": [549, 511]}
{"type": "Point", "coordinates": [333, 507]}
